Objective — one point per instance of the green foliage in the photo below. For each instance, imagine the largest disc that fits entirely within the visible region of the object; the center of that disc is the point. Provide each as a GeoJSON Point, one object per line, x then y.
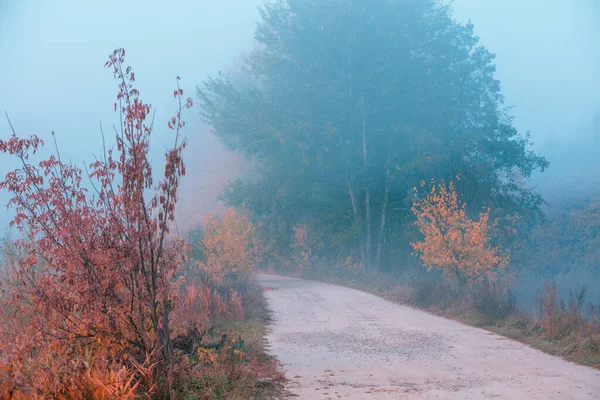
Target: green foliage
{"type": "Point", "coordinates": [346, 106]}
{"type": "Point", "coordinates": [569, 238]}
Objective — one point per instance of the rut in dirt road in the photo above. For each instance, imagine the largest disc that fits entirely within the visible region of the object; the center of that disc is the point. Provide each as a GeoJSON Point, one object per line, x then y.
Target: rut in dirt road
{"type": "Point", "coordinates": [336, 342]}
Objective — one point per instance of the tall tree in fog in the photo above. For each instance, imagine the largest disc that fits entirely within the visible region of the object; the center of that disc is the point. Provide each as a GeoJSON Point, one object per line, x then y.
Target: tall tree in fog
{"type": "Point", "coordinates": [347, 105]}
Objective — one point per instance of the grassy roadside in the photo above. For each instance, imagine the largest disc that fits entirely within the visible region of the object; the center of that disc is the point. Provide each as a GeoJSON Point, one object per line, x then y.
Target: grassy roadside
{"type": "Point", "coordinates": [575, 339]}
{"type": "Point", "coordinates": [235, 363]}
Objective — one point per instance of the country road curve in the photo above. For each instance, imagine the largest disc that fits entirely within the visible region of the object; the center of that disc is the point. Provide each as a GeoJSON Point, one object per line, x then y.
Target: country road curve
{"type": "Point", "coordinates": [340, 343]}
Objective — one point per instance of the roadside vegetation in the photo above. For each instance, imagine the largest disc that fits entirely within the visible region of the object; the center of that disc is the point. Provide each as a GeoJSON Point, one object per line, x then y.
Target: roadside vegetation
{"type": "Point", "coordinates": [382, 157]}
{"type": "Point", "coordinates": [385, 157]}
{"type": "Point", "coordinates": [463, 278]}
{"type": "Point", "coordinates": [102, 299]}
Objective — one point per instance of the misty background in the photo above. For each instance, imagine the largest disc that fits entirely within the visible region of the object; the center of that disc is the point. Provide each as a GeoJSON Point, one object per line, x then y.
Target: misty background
{"type": "Point", "coordinates": [52, 79]}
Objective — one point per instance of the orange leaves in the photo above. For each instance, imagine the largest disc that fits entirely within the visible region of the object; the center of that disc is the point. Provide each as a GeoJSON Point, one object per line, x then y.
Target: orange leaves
{"type": "Point", "coordinates": [303, 246]}
{"type": "Point", "coordinates": [452, 241]}
{"type": "Point", "coordinates": [227, 252]}
{"type": "Point", "coordinates": [231, 247]}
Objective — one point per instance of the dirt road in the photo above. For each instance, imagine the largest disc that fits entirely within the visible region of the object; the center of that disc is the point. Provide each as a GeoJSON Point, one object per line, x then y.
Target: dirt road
{"type": "Point", "coordinates": [337, 342]}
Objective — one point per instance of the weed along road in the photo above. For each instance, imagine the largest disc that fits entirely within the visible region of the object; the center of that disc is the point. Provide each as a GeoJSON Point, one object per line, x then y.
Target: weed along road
{"type": "Point", "coordinates": [336, 342]}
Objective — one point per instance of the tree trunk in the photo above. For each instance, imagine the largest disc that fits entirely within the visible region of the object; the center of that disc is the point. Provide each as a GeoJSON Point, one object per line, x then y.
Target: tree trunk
{"type": "Point", "coordinates": [383, 212]}
{"type": "Point", "coordinates": [368, 252]}
{"type": "Point", "coordinates": [357, 223]}
{"type": "Point", "coordinates": [166, 328]}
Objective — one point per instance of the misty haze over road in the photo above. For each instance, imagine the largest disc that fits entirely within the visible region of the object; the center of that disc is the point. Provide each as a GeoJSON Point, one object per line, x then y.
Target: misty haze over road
{"type": "Point", "coordinates": [443, 154]}
{"type": "Point", "coordinates": [336, 342]}
{"type": "Point", "coordinates": [547, 62]}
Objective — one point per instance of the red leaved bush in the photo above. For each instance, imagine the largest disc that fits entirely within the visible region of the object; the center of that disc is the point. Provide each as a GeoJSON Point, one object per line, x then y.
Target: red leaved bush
{"type": "Point", "coordinates": [92, 290]}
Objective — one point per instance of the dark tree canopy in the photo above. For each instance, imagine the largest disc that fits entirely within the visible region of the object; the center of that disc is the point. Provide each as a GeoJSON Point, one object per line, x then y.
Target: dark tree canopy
{"type": "Point", "coordinates": [347, 105]}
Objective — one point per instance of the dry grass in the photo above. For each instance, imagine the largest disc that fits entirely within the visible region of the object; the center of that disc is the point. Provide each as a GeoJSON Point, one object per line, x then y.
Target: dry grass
{"type": "Point", "coordinates": [231, 361]}
{"type": "Point", "coordinates": [227, 360]}
{"type": "Point", "coordinates": [216, 330]}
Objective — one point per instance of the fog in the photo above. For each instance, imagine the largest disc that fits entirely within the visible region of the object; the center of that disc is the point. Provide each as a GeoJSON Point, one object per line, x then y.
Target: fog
{"type": "Point", "coordinates": [548, 62]}
{"type": "Point", "coordinates": [52, 79]}
{"type": "Point", "coordinates": [442, 155]}
{"type": "Point", "coordinates": [51, 75]}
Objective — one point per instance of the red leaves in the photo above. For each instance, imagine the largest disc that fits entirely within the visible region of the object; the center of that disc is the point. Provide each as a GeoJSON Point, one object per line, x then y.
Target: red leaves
{"type": "Point", "coordinates": [177, 92]}
{"type": "Point", "coordinates": [172, 124]}
{"type": "Point", "coordinates": [103, 264]}
{"type": "Point", "coordinates": [21, 148]}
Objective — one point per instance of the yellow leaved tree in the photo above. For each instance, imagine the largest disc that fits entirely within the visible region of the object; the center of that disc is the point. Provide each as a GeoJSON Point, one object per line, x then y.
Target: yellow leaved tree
{"type": "Point", "coordinates": [453, 242]}
{"type": "Point", "coordinates": [231, 248]}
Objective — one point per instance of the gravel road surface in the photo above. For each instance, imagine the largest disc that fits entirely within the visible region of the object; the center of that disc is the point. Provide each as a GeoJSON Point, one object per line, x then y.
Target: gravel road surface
{"type": "Point", "coordinates": [336, 342]}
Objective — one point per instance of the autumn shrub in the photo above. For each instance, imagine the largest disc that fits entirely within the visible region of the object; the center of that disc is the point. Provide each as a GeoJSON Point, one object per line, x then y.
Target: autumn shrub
{"type": "Point", "coordinates": [216, 277]}
{"type": "Point", "coordinates": [216, 289]}
{"type": "Point", "coordinates": [201, 303]}
{"type": "Point", "coordinates": [302, 254]}
{"type": "Point", "coordinates": [226, 368]}
{"type": "Point", "coordinates": [230, 248]}
{"type": "Point", "coordinates": [559, 318]}
{"type": "Point", "coordinates": [547, 303]}
{"type": "Point", "coordinates": [91, 289]}
{"type": "Point", "coordinates": [453, 242]}
{"type": "Point", "coordinates": [30, 371]}
{"type": "Point", "coordinates": [224, 358]}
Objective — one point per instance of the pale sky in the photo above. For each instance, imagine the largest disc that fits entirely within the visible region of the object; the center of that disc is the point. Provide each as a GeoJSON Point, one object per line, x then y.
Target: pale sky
{"type": "Point", "coordinates": [548, 58]}
{"type": "Point", "coordinates": [53, 52]}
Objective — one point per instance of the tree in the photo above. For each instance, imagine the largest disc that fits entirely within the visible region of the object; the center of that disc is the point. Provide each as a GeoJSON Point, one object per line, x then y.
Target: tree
{"type": "Point", "coordinates": [97, 267]}
{"type": "Point", "coordinates": [568, 242]}
{"type": "Point", "coordinates": [347, 105]}
{"type": "Point", "coordinates": [230, 246]}
{"type": "Point", "coordinates": [453, 242]}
